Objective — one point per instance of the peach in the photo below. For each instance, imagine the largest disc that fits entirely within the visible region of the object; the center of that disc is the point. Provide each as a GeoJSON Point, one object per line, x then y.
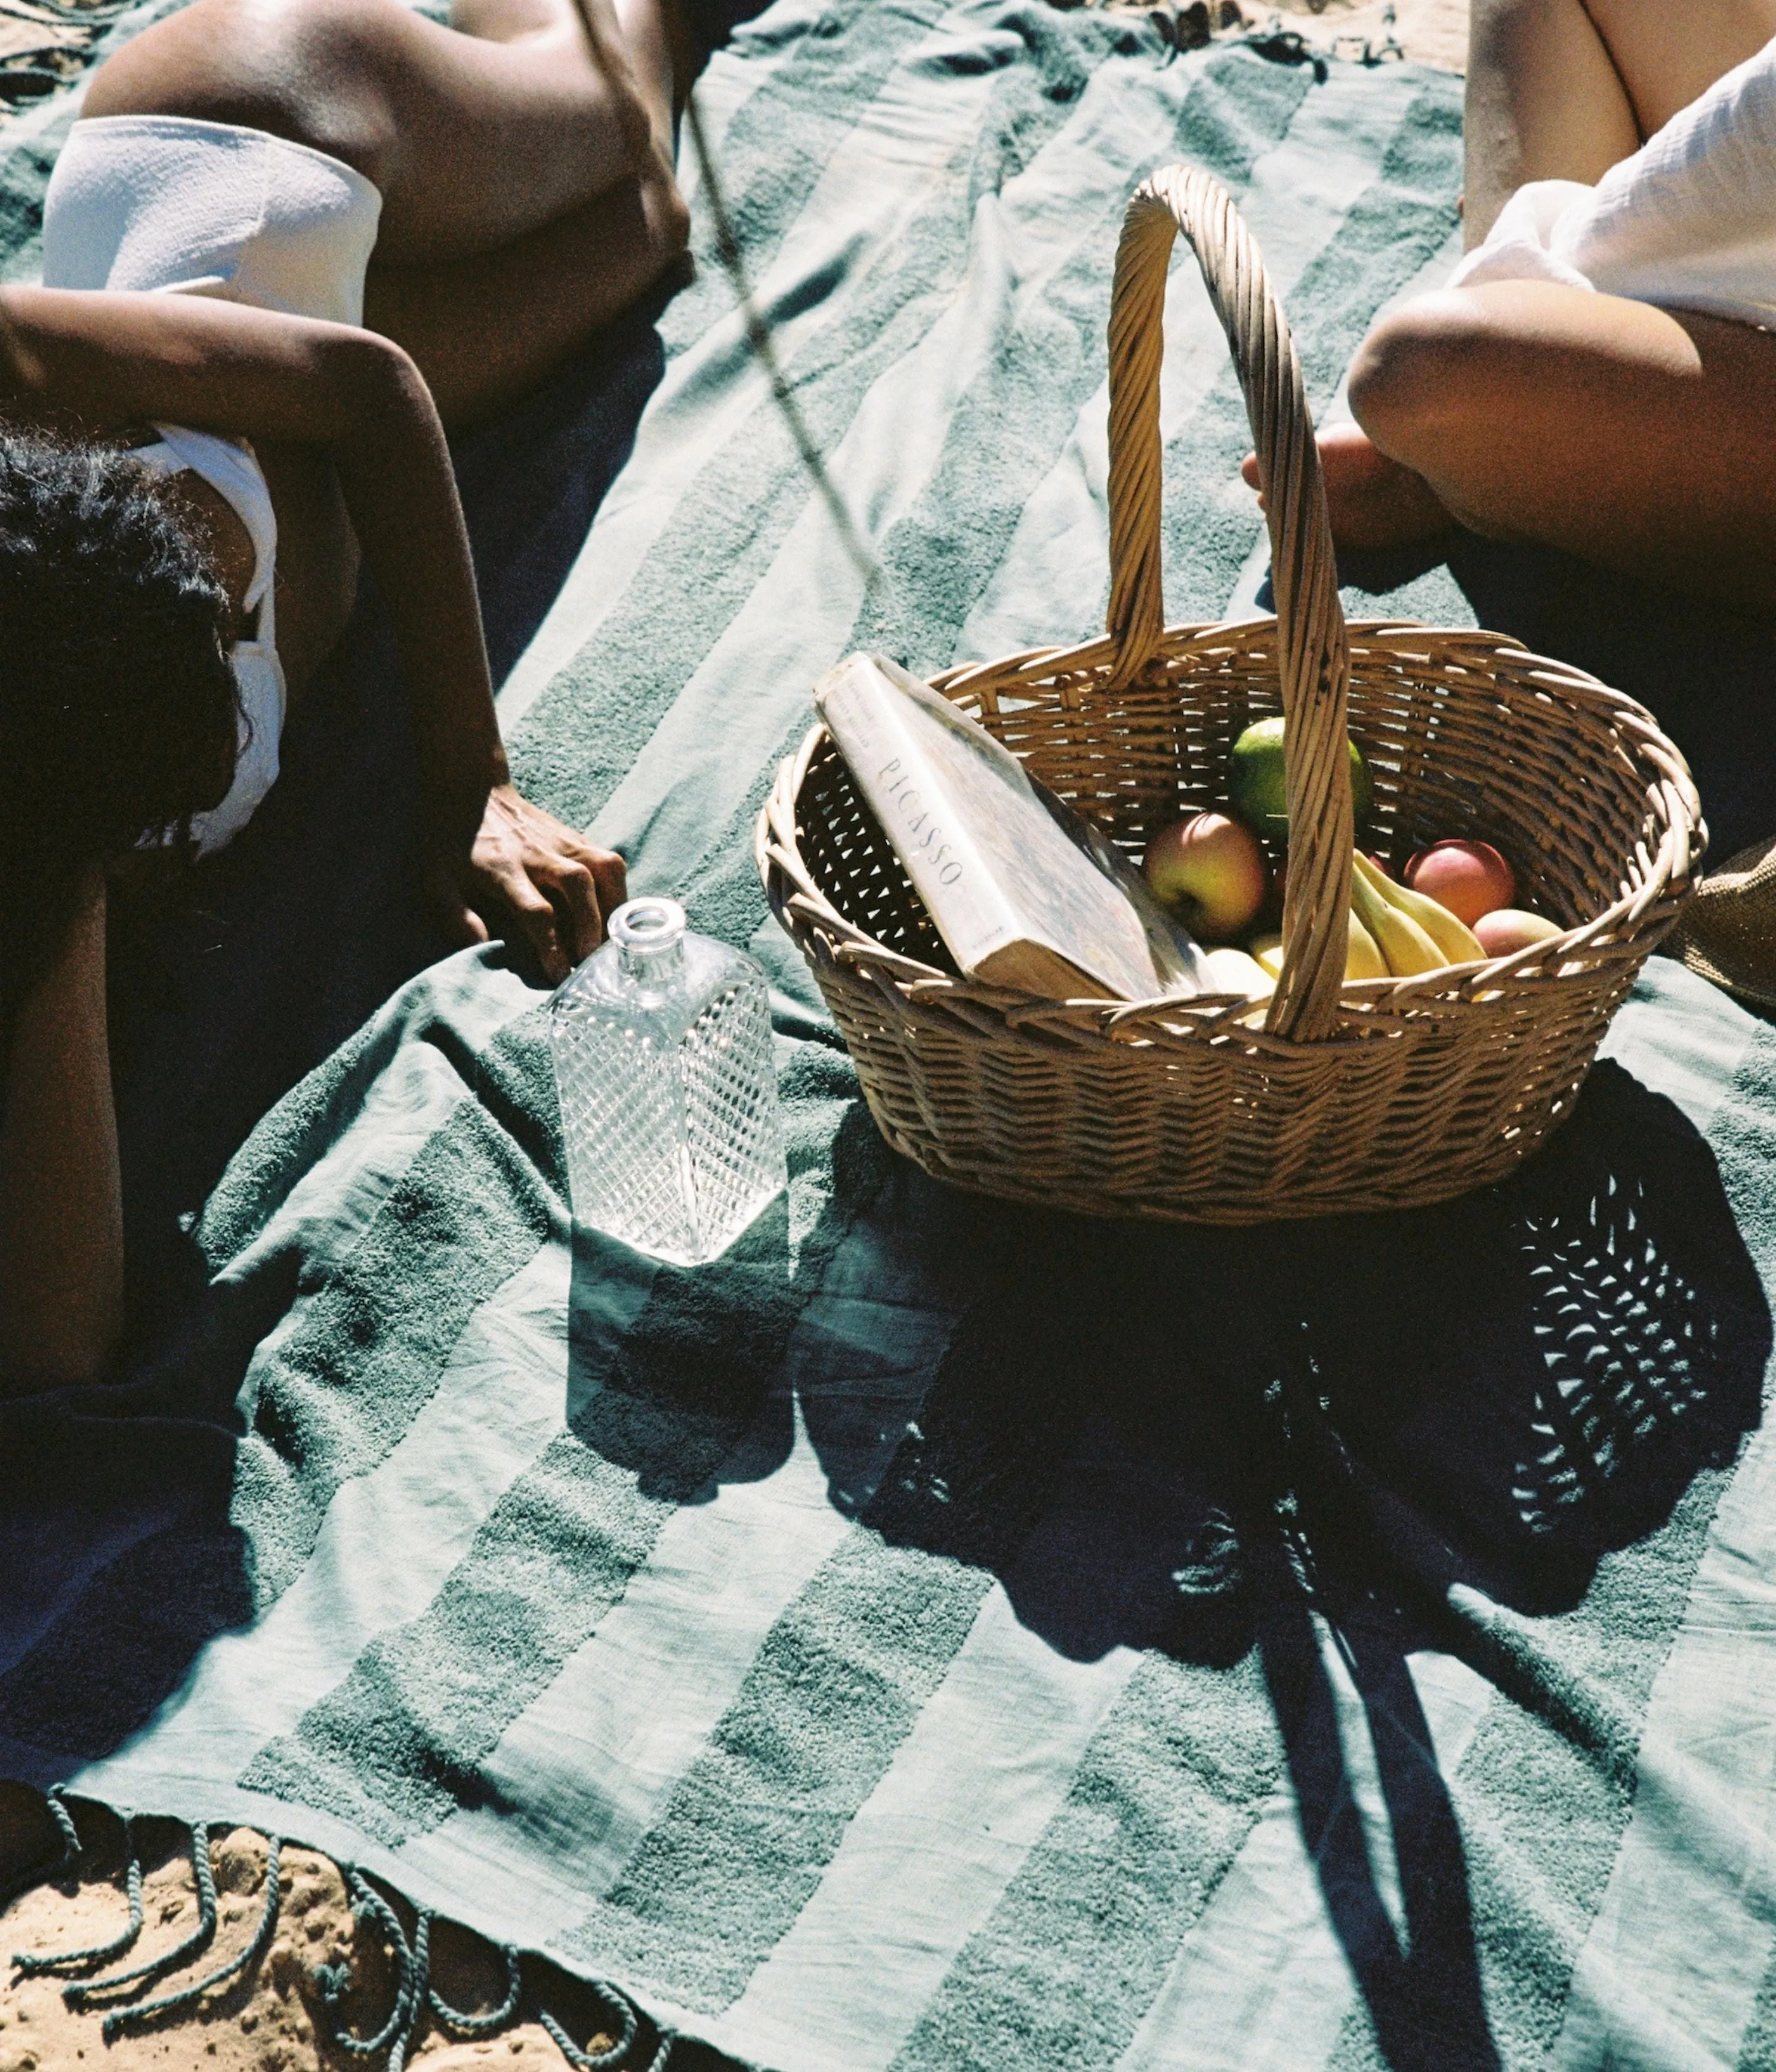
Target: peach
{"type": "Point", "coordinates": [1209, 871]}
{"type": "Point", "coordinates": [1508, 929]}
{"type": "Point", "coordinates": [1470, 878]}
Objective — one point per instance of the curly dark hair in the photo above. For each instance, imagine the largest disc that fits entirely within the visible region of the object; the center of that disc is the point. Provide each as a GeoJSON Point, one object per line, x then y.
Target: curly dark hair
{"type": "Point", "coordinates": [119, 717]}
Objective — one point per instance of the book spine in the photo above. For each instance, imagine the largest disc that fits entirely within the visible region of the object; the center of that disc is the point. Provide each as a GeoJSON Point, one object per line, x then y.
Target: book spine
{"type": "Point", "coordinates": [906, 792]}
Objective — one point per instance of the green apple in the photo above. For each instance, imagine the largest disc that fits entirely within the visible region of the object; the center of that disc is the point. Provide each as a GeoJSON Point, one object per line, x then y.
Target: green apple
{"type": "Point", "coordinates": [1257, 788]}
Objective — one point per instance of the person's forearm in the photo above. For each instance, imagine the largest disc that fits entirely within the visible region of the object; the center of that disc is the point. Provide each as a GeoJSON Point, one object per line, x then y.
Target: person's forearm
{"type": "Point", "coordinates": [112, 359]}
{"type": "Point", "coordinates": [61, 1210]}
{"type": "Point", "coordinates": [401, 494]}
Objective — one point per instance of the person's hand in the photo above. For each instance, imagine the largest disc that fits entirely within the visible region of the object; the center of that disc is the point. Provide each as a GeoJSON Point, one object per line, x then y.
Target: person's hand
{"type": "Point", "coordinates": [528, 872]}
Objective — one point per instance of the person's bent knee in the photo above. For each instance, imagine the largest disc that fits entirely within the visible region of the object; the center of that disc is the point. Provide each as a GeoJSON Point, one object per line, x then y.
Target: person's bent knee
{"type": "Point", "coordinates": [668, 219]}
{"type": "Point", "coordinates": [1420, 367]}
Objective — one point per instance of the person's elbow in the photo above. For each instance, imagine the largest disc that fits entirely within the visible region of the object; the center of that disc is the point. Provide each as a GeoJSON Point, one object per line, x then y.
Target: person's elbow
{"type": "Point", "coordinates": [370, 383]}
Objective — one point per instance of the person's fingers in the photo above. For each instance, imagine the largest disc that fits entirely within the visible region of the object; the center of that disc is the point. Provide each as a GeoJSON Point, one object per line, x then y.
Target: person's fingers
{"type": "Point", "coordinates": [577, 907]}
{"type": "Point", "coordinates": [537, 918]}
{"type": "Point", "coordinates": [1248, 471]}
{"type": "Point", "coordinates": [610, 875]}
{"type": "Point", "coordinates": [458, 921]}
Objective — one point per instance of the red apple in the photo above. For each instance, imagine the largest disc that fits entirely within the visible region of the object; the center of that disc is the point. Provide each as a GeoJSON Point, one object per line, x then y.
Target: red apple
{"type": "Point", "coordinates": [1469, 877]}
{"type": "Point", "coordinates": [1506, 929]}
{"type": "Point", "coordinates": [1209, 871]}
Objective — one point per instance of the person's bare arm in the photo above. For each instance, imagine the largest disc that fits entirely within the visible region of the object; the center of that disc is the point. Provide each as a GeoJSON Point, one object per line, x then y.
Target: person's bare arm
{"type": "Point", "coordinates": [61, 1213]}
{"type": "Point", "coordinates": [104, 360]}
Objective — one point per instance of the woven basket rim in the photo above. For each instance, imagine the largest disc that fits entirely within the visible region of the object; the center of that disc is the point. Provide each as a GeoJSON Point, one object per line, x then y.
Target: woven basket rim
{"type": "Point", "coordinates": [800, 904]}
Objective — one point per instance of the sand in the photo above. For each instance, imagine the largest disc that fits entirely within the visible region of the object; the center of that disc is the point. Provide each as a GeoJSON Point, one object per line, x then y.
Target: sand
{"type": "Point", "coordinates": [1432, 32]}
{"type": "Point", "coordinates": [267, 2017]}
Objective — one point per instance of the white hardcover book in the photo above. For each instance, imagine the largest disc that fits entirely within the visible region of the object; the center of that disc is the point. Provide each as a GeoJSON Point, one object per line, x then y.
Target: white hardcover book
{"type": "Point", "coordinates": [1024, 892]}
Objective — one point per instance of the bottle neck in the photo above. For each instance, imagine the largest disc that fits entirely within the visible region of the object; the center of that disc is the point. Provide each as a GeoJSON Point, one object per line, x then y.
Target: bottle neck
{"type": "Point", "coordinates": [649, 935]}
{"type": "Point", "coordinates": [654, 970]}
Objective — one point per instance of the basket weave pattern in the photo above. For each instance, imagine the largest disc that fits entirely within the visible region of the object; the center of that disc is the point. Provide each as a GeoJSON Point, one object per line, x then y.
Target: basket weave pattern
{"type": "Point", "coordinates": [1335, 1097]}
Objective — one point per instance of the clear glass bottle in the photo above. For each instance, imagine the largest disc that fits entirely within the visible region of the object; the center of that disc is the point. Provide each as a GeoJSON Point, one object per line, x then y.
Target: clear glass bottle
{"type": "Point", "coordinates": [669, 1091]}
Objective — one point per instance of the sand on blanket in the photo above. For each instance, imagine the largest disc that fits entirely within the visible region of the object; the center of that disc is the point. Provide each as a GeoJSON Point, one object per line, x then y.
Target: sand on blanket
{"type": "Point", "coordinates": [269, 2017]}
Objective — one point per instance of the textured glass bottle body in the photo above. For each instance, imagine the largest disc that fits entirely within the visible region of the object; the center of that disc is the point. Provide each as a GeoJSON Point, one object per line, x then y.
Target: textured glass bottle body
{"type": "Point", "coordinates": [669, 1091]}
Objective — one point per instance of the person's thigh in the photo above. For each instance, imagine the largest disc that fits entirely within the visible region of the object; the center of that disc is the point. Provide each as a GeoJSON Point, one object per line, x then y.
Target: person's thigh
{"type": "Point", "coordinates": [473, 142]}
{"type": "Point", "coordinates": [1667, 54]}
{"type": "Point", "coordinates": [1543, 102]}
{"type": "Point", "coordinates": [1644, 439]}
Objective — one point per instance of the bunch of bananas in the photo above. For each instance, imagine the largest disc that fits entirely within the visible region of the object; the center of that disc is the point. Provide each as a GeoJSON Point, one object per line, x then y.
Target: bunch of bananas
{"type": "Point", "coordinates": [1395, 932]}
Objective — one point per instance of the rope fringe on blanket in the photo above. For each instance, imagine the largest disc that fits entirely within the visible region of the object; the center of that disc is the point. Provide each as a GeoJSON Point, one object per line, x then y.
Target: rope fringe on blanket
{"type": "Point", "coordinates": [414, 1991]}
{"type": "Point", "coordinates": [77, 1996]}
{"type": "Point", "coordinates": [415, 1994]}
{"type": "Point", "coordinates": [30, 1965]}
{"type": "Point", "coordinates": [123, 2018]}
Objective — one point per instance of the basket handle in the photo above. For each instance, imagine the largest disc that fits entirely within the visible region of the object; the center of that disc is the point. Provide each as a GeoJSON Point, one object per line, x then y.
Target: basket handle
{"type": "Point", "coordinates": [1313, 654]}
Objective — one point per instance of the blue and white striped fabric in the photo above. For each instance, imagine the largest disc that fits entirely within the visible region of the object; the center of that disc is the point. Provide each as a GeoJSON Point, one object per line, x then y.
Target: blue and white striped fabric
{"type": "Point", "coordinates": [942, 1635]}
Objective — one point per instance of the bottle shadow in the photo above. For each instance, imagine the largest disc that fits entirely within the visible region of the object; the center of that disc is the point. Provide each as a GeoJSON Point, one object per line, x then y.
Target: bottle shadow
{"type": "Point", "coordinates": [695, 1377]}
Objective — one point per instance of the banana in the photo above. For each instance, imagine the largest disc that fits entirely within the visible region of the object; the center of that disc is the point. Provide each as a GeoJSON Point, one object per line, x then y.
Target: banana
{"type": "Point", "coordinates": [1363, 960]}
{"type": "Point", "coordinates": [1404, 944]}
{"type": "Point", "coordinates": [1268, 951]}
{"type": "Point", "coordinates": [1232, 971]}
{"type": "Point", "coordinates": [1455, 938]}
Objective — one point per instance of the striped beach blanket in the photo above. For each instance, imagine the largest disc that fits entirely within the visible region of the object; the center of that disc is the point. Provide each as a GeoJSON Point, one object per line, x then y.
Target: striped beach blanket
{"type": "Point", "coordinates": [942, 1634]}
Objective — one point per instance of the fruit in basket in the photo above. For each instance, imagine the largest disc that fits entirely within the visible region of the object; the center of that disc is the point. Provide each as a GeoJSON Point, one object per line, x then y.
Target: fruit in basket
{"type": "Point", "coordinates": [1405, 945]}
{"type": "Point", "coordinates": [1271, 916]}
{"type": "Point", "coordinates": [1510, 928]}
{"type": "Point", "coordinates": [1456, 940]}
{"type": "Point", "coordinates": [1232, 971]}
{"type": "Point", "coordinates": [1258, 791]}
{"type": "Point", "coordinates": [1209, 872]}
{"type": "Point", "coordinates": [1469, 877]}
{"type": "Point", "coordinates": [1362, 959]}
{"type": "Point", "coordinates": [1267, 950]}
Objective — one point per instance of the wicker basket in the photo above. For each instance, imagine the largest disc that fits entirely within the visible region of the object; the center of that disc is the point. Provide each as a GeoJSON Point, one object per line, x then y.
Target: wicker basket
{"type": "Point", "coordinates": [1335, 1097]}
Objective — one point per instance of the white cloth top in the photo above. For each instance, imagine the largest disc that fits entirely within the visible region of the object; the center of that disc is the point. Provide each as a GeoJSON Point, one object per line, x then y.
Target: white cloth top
{"type": "Point", "coordinates": [167, 203]}
{"type": "Point", "coordinates": [1688, 222]}
{"type": "Point", "coordinates": [258, 673]}
{"type": "Point", "coordinates": [206, 208]}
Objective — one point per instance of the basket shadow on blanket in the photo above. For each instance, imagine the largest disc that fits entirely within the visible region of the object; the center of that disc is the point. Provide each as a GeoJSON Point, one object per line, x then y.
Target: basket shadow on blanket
{"type": "Point", "coordinates": [1190, 1440]}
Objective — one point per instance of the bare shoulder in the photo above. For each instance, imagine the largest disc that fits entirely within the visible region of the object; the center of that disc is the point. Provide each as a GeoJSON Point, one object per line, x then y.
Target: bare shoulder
{"type": "Point", "coordinates": [184, 57]}
{"type": "Point", "coordinates": [274, 65]}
